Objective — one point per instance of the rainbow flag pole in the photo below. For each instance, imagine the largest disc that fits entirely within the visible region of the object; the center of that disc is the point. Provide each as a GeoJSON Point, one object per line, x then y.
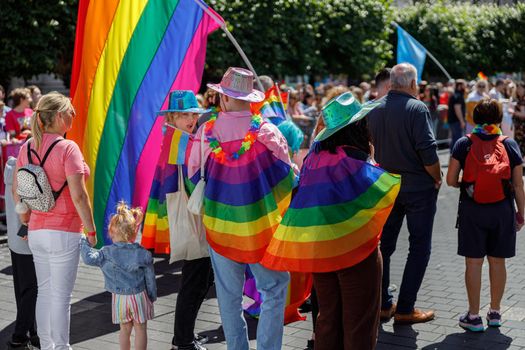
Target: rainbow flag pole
{"type": "Point", "coordinates": [230, 36]}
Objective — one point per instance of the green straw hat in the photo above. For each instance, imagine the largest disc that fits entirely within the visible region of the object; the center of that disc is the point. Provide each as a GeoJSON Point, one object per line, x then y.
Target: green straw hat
{"type": "Point", "coordinates": [341, 111]}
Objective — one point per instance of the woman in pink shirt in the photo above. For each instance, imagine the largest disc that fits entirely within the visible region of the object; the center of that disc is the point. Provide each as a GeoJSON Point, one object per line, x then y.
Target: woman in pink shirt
{"type": "Point", "coordinates": [54, 236]}
{"type": "Point", "coordinates": [17, 120]}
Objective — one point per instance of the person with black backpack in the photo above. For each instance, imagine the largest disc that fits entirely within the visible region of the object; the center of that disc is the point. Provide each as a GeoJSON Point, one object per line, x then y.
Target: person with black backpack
{"type": "Point", "coordinates": [51, 199]}
{"type": "Point", "coordinates": [491, 207]}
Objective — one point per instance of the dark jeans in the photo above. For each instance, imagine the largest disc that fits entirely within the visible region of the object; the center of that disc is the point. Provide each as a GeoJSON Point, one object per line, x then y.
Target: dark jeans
{"type": "Point", "coordinates": [349, 303]}
{"type": "Point", "coordinates": [456, 133]}
{"type": "Point", "coordinates": [419, 209]}
{"type": "Point", "coordinates": [194, 287]}
{"type": "Point", "coordinates": [26, 290]}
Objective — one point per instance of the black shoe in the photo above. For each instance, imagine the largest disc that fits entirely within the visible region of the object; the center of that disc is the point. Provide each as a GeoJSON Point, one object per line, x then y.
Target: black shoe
{"type": "Point", "coordinates": [194, 346]}
{"type": "Point", "coordinates": [11, 345]}
{"type": "Point", "coordinates": [201, 339]}
{"type": "Point", "coordinates": [35, 341]}
{"type": "Point", "coordinates": [310, 344]}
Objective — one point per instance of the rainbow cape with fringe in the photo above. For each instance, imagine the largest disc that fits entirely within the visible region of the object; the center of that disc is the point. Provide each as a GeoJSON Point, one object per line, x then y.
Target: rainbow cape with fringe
{"type": "Point", "coordinates": [155, 233]}
{"type": "Point", "coordinates": [336, 217]}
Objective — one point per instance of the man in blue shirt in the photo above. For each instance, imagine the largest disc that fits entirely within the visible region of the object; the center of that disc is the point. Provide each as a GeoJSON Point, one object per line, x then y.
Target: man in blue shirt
{"type": "Point", "coordinates": [405, 144]}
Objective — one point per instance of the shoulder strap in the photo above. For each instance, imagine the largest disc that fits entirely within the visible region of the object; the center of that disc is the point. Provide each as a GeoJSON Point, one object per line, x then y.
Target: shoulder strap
{"type": "Point", "coordinates": [29, 151]}
{"type": "Point", "coordinates": [49, 151]}
{"type": "Point", "coordinates": [203, 161]}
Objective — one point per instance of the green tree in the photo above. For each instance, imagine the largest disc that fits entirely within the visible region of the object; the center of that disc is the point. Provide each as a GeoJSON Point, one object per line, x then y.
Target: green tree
{"type": "Point", "coordinates": [292, 37]}
{"type": "Point", "coordinates": [36, 37]}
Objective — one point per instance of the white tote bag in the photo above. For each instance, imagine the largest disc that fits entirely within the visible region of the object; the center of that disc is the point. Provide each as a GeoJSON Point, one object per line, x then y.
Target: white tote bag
{"type": "Point", "coordinates": [196, 201]}
{"type": "Point", "coordinates": [187, 235]}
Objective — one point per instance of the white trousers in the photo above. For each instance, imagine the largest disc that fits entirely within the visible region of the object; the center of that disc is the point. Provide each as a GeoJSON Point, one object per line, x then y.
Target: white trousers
{"type": "Point", "coordinates": [56, 256]}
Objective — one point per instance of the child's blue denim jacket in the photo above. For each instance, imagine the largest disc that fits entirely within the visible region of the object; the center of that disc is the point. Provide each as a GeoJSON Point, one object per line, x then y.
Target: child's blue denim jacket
{"type": "Point", "coordinates": [127, 267]}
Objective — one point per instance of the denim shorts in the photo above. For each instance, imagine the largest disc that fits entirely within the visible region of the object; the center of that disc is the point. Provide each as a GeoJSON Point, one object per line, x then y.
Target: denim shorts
{"type": "Point", "coordinates": [486, 229]}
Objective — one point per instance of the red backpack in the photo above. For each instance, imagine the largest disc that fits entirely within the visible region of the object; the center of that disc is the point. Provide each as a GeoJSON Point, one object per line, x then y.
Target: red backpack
{"type": "Point", "coordinates": [487, 168]}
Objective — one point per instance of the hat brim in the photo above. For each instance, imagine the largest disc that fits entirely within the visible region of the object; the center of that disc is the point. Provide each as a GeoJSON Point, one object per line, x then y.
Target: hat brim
{"type": "Point", "coordinates": [254, 96]}
{"type": "Point", "coordinates": [366, 108]}
{"type": "Point", "coordinates": [189, 110]}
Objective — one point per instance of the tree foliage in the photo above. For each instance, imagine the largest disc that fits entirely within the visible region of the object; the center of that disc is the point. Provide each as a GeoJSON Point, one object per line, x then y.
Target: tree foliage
{"type": "Point", "coordinates": [36, 37]}
{"type": "Point", "coordinates": [295, 37]}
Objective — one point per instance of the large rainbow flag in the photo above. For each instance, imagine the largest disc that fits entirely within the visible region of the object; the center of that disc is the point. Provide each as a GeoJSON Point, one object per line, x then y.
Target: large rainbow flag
{"type": "Point", "coordinates": [336, 217]}
{"type": "Point", "coordinates": [128, 56]}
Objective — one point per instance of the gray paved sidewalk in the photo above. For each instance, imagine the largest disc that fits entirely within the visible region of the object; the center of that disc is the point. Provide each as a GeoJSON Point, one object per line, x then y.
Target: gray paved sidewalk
{"type": "Point", "coordinates": [442, 290]}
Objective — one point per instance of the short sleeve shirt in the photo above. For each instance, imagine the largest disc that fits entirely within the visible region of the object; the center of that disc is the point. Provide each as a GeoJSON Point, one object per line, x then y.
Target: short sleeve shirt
{"type": "Point", "coordinates": [17, 121]}
{"type": "Point", "coordinates": [65, 159]}
{"type": "Point", "coordinates": [455, 99]}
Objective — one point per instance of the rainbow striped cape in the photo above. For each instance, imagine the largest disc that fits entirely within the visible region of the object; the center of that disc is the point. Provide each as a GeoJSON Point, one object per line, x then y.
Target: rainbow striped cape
{"type": "Point", "coordinates": [244, 200]}
{"type": "Point", "coordinates": [271, 108]}
{"type": "Point", "coordinates": [336, 217]}
{"type": "Point", "coordinates": [155, 233]}
{"type": "Point", "coordinates": [128, 56]}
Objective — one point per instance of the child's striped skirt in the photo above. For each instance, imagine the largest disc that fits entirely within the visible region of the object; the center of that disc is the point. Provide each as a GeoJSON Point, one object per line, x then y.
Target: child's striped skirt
{"type": "Point", "coordinates": [133, 307]}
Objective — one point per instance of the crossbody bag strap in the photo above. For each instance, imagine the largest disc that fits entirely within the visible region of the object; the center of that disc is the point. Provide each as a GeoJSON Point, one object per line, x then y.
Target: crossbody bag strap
{"type": "Point", "coordinates": [203, 161]}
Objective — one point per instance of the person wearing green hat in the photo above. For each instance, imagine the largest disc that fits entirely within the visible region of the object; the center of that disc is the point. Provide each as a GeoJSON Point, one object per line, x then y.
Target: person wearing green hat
{"type": "Point", "coordinates": [333, 226]}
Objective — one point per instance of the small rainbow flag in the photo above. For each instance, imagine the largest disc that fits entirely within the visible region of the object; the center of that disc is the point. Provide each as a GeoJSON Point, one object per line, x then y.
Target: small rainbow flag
{"type": "Point", "coordinates": [128, 56]}
{"type": "Point", "coordinates": [482, 76]}
{"type": "Point", "coordinates": [155, 233]}
{"type": "Point", "coordinates": [336, 217]}
{"type": "Point", "coordinates": [272, 108]}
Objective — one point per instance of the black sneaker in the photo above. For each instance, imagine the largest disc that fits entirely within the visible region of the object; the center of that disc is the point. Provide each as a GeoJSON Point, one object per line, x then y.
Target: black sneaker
{"type": "Point", "coordinates": [493, 319]}
{"type": "Point", "coordinates": [194, 346]}
{"type": "Point", "coordinates": [12, 345]}
{"type": "Point", "coordinates": [34, 340]}
{"type": "Point", "coordinates": [473, 325]}
{"type": "Point", "coordinates": [310, 344]}
{"type": "Point", "coordinates": [201, 339]}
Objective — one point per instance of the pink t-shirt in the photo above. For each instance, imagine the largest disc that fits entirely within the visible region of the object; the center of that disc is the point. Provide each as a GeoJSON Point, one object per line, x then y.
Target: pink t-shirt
{"type": "Point", "coordinates": [18, 121]}
{"type": "Point", "coordinates": [64, 160]}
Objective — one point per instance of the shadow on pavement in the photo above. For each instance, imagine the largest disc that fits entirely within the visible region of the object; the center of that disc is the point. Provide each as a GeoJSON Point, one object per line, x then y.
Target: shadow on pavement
{"type": "Point", "coordinates": [403, 336]}
{"type": "Point", "coordinates": [492, 339]}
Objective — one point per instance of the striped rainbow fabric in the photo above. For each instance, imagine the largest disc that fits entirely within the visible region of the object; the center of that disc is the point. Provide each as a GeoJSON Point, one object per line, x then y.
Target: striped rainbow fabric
{"type": "Point", "coordinates": [128, 56]}
{"type": "Point", "coordinates": [297, 293]}
{"type": "Point", "coordinates": [336, 217]}
{"type": "Point", "coordinates": [244, 201]}
{"type": "Point", "coordinates": [271, 108]}
{"type": "Point", "coordinates": [155, 233]}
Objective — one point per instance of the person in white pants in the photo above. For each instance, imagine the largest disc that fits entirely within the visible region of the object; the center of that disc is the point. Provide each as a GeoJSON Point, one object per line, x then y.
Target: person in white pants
{"type": "Point", "coordinates": [54, 236]}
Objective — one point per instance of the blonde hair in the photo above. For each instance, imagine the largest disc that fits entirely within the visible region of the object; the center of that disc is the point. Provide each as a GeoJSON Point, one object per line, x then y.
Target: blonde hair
{"type": "Point", "coordinates": [126, 222]}
{"type": "Point", "coordinates": [45, 112]}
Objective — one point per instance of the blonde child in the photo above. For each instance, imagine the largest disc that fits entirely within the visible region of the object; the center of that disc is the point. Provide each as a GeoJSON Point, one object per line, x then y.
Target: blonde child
{"type": "Point", "coordinates": [129, 275]}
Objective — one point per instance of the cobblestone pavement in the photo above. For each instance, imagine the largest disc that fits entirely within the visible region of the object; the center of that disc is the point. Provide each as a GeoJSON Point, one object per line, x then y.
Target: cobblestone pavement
{"type": "Point", "coordinates": [442, 290]}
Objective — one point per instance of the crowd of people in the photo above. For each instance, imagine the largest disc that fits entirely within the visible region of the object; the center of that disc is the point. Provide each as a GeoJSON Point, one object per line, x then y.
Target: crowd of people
{"type": "Point", "coordinates": [323, 193]}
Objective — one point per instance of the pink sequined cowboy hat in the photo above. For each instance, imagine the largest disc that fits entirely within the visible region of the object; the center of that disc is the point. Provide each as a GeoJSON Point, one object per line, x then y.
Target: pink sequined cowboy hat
{"type": "Point", "coordinates": [238, 83]}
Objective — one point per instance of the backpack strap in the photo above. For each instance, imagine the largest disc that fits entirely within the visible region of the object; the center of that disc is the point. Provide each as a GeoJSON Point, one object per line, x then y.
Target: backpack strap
{"type": "Point", "coordinates": [29, 151]}
{"type": "Point", "coordinates": [49, 151]}
{"type": "Point", "coordinates": [56, 194]}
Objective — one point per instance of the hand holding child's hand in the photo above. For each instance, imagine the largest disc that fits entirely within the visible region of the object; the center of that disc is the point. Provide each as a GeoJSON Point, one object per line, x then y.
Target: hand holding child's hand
{"type": "Point", "coordinates": [92, 240]}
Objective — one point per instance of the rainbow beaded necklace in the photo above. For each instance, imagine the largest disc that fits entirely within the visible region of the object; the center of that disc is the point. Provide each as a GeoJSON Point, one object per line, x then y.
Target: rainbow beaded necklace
{"type": "Point", "coordinates": [217, 152]}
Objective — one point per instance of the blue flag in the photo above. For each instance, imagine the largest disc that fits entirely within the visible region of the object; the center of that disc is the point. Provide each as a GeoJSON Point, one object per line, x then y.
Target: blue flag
{"type": "Point", "coordinates": [409, 50]}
